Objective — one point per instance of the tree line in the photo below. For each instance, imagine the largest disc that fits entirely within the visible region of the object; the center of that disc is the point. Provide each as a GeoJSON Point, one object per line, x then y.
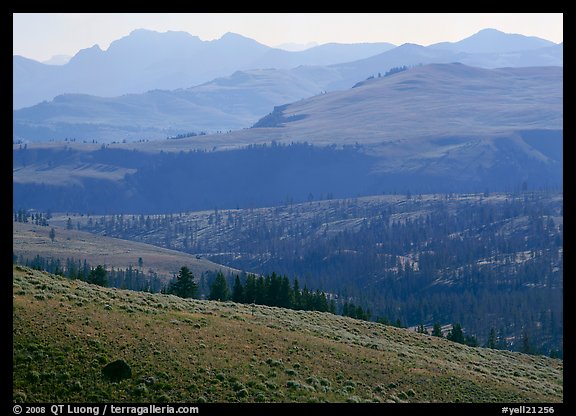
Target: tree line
{"type": "Point", "coordinates": [486, 261]}
{"type": "Point", "coordinates": [26, 216]}
{"type": "Point", "coordinates": [271, 290]}
{"type": "Point", "coordinates": [452, 258]}
{"type": "Point", "coordinates": [130, 278]}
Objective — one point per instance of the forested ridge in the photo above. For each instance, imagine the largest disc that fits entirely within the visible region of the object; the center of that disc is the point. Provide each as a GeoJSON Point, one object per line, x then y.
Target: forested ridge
{"type": "Point", "coordinates": [109, 180]}
{"type": "Point", "coordinates": [492, 261]}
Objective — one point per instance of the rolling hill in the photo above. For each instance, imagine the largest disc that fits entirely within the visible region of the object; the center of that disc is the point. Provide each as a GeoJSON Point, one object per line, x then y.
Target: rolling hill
{"type": "Point", "coordinates": [226, 103]}
{"type": "Point", "coordinates": [29, 240]}
{"type": "Point", "coordinates": [65, 332]}
{"type": "Point", "coordinates": [411, 55]}
{"type": "Point", "coordinates": [430, 101]}
{"type": "Point", "coordinates": [432, 128]}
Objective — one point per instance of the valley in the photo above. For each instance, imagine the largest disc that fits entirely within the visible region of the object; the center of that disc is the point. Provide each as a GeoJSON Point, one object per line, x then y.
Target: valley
{"type": "Point", "coordinates": [409, 258]}
{"type": "Point", "coordinates": [214, 220]}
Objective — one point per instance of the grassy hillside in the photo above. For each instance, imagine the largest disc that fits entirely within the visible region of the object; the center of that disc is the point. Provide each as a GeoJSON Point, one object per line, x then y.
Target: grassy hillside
{"type": "Point", "coordinates": [399, 113]}
{"type": "Point", "coordinates": [412, 108]}
{"type": "Point", "coordinates": [29, 240]}
{"type": "Point", "coordinates": [233, 102]}
{"type": "Point", "coordinates": [180, 350]}
{"type": "Point", "coordinates": [433, 128]}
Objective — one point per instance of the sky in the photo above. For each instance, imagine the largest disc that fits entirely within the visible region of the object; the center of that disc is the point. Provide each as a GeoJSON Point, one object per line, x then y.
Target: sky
{"type": "Point", "coordinates": [40, 36]}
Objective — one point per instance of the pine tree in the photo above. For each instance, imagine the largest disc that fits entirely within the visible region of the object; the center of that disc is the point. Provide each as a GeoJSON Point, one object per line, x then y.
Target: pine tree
{"type": "Point", "coordinates": [492, 340]}
{"type": "Point", "coordinates": [238, 291]}
{"type": "Point", "coordinates": [219, 288]}
{"type": "Point", "coordinates": [471, 341]}
{"type": "Point", "coordinates": [501, 344]}
{"type": "Point", "coordinates": [250, 289]}
{"type": "Point", "coordinates": [297, 304]}
{"type": "Point", "coordinates": [456, 334]}
{"type": "Point", "coordinates": [285, 296]}
{"type": "Point", "coordinates": [383, 320]}
{"type": "Point", "coordinates": [52, 234]}
{"type": "Point", "coordinates": [273, 289]}
{"type": "Point", "coordinates": [364, 314]}
{"type": "Point", "coordinates": [437, 330]}
{"type": "Point", "coordinates": [345, 309]}
{"type": "Point", "coordinates": [332, 306]}
{"type": "Point", "coordinates": [98, 276]}
{"type": "Point", "coordinates": [526, 347]}
{"type": "Point", "coordinates": [305, 302]}
{"type": "Point", "coordinates": [184, 285]}
{"type": "Point", "coordinates": [261, 292]}
{"type": "Point", "coordinates": [422, 330]}
{"type": "Point", "coordinates": [323, 302]}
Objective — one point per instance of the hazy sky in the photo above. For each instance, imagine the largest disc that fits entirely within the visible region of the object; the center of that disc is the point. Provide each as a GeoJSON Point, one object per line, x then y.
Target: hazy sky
{"type": "Point", "coordinates": [42, 35]}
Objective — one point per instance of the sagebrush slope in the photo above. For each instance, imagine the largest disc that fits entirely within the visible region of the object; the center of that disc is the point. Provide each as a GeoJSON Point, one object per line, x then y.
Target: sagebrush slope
{"type": "Point", "coordinates": [200, 351]}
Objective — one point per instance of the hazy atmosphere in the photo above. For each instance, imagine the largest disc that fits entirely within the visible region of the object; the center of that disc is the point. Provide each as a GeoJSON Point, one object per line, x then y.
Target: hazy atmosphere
{"type": "Point", "coordinates": [288, 208]}
{"type": "Point", "coordinates": [40, 36]}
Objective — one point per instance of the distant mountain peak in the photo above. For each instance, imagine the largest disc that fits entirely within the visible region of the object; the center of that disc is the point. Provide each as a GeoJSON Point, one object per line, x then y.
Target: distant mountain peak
{"type": "Point", "coordinates": [231, 38]}
{"type": "Point", "coordinates": [492, 40]}
{"type": "Point", "coordinates": [492, 33]}
{"type": "Point", "coordinates": [145, 32]}
{"type": "Point", "coordinates": [147, 35]}
{"type": "Point", "coordinates": [140, 31]}
{"type": "Point", "coordinates": [490, 30]}
{"type": "Point", "coordinates": [94, 48]}
{"type": "Point", "coordinates": [86, 54]}
{"type": "Point", "coordinates": [234, 36]}
{"type": "Point", "coordinates": [57, 60]}
{"type": "Point", "coordinates": [409, 45]}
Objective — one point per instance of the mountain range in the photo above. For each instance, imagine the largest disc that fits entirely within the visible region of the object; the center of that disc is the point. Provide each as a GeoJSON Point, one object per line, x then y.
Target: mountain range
{"type": "Point", "coordinates": [146, 60]}
{"type": "Point", "coordinates": [238, 87]}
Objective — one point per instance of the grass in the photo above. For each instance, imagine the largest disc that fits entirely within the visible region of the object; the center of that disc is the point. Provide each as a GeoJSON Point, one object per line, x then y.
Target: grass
{"type": "Point", "coordinates": [30, 240]}
{"type": "Point", "coordinates": [181, 350]}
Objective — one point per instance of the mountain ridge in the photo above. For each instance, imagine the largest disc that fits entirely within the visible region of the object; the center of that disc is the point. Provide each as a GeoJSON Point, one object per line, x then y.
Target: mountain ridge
{"type": "Point", "coordinates": [228, 103]}
{"type": "Point", "coordinates": [433, 128]}
{"type": "Point", "coordinates": [138, 62]}
{"type": "Point", "coordinates": [146, 60]}
{"type": "Point", "coordinates": [493, 40]}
